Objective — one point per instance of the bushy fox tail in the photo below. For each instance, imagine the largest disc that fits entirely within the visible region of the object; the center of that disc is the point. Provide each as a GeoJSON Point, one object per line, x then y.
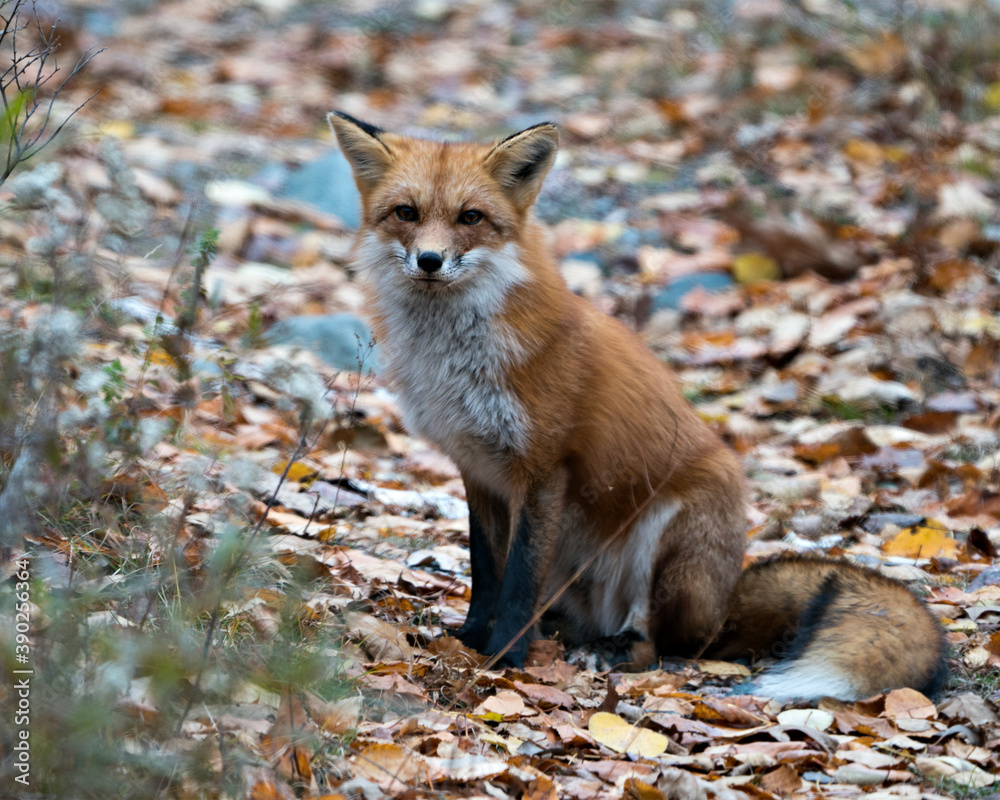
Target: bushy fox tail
{"type": "Point", "coordinates": [838, 630]}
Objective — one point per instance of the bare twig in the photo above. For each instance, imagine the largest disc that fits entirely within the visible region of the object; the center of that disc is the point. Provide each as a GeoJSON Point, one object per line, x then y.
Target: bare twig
{"type": "Point", "coordinates": [26, 116]}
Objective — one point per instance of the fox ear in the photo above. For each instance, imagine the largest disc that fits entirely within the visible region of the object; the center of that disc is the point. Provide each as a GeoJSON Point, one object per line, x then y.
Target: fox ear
{"type": "Point", "coordinates": [362, 144]}
{"type": "Point", "coordinates": [521, 162]}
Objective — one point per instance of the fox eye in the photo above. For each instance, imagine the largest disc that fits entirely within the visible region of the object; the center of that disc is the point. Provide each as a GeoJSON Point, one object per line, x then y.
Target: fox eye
{"type": "Point", "coordinates": [406, 213]}
{"type": "Point", "coordinates": [470, 217]}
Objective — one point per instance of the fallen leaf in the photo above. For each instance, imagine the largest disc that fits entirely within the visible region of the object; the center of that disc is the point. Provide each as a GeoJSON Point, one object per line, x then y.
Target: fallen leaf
{"type": "Point", "coordinates": [389, 765]}
{"type": "Point", "coordinates": [753, 267]}
{"type": "Point", "coordinates": [634, 789]}
{"type": "Point", "coordinates": [783, 781]}
{"type": "Point", "coordinates": [723, 668]}
{"type": "Point", "coordinates": [621, 736]}
{"type": "Point", "coordinates": [922, 541]}
{"type": "Point", "coordinates": [908, 704]}
{"type": "Point", "coordinates": [504, 705]}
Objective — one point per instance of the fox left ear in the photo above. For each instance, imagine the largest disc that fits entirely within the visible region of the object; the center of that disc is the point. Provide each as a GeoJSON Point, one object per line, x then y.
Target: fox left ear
{"type": "Point", "coordinates": [364, 148]}
{"type": "Point", "coordinates": [521, 162]}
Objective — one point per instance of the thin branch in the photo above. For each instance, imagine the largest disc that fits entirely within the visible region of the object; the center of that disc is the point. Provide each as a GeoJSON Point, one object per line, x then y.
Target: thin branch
{"type": "Point", "coordinates": [26, 115]}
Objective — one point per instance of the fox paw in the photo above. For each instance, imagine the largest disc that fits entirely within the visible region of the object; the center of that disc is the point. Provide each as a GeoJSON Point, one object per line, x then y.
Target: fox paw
{"type": "Point", "coordinates": [627, 650]}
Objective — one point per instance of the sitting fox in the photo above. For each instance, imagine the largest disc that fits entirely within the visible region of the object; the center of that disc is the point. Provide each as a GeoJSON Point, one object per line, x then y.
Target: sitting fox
{"type": "Point", "coordinates": [594, 489]}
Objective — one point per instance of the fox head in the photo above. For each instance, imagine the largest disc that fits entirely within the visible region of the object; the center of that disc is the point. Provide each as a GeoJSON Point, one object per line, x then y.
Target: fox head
{"type": "Point", "coordinates": [439, 215]}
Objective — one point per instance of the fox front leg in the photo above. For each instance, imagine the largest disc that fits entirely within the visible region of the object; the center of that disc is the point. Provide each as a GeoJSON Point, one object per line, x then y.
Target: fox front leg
{"type": "Point", "coordinates": [489, 529]}
{"type": "Point", "coordinates": [530, 553]}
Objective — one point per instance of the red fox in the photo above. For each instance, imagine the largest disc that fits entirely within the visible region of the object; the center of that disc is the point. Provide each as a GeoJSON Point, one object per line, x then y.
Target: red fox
{"type": "Point", "coordinates": [593, 486]}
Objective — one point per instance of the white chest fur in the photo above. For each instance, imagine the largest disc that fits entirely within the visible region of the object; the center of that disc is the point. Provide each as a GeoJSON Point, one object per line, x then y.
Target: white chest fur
{"type": "Point", "coordinates": [449, 354]}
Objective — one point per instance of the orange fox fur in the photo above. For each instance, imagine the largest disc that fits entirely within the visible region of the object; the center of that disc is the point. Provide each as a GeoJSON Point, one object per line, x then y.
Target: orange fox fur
{"type": "Point", "coordinates": [585, 469]}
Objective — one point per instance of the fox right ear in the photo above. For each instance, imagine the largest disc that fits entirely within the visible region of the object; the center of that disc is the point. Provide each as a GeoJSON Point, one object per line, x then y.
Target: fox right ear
{"type": "Point", "coordinates": [521, 162]}
{"type": "Point", "coordinates": [362, 144]}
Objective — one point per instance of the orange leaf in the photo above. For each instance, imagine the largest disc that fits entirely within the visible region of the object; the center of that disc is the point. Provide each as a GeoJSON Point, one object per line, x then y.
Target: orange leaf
{"type": "Point", "coordinates": [541, 788]}
{"type": "Point", "coordinates": [635, 789]}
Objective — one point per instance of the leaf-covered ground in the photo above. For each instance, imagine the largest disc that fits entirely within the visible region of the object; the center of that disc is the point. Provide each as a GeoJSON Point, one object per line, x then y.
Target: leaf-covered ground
{"type": "Point", "coordinates": [795, 204]}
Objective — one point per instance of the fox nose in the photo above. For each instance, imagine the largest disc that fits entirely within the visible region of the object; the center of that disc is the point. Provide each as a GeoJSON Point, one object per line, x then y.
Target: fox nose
{"type": "Point", "coordinates": [429, 261]}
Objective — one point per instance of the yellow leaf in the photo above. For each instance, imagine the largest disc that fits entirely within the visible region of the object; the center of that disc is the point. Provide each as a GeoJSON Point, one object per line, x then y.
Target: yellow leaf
{"type": "Point", "coordinates": [119, 128]}
{"type": "Point", "coordinates": [161, 357]}
{"type": "Point", "coordinates": [752, 267]}
{"type": "Point", "coordinates": [298, 472]}
{"type": "Point", "coordinates": [616, 734]}
{"type": "Point", "coordinates": [991, 97]}
{"type": "Point", "coordinates": [929, 540]}
{"type": "Point", "coordinates": [865, 152]}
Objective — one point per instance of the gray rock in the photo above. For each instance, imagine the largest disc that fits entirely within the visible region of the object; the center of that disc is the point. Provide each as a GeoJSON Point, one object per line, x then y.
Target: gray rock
{"type": "Point", "coordinates": [673, 293]}
{"type": "Point", "coordinates": [338, 339]}
{"type": "Point", "coordinates": [987, 577]}
{"type": "Point", "coordinates": [327, 184]}
{"type": "Point", "coordinates": [874, 523]}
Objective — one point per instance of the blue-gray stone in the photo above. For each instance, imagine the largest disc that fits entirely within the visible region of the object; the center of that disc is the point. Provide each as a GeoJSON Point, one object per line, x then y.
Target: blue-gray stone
{"type": "Point", "coordinates": [328, 184]}
{"type": "Point", "coordinates": [987, 577]}
{"type": "Point", "coordinates": [874, 523]}
{"type": "Point", "coordinates": [671, 295]}
{"type": "Point", "coordinates": [338, 339]}
{"type": "Point", "coordinates": [630, 239]}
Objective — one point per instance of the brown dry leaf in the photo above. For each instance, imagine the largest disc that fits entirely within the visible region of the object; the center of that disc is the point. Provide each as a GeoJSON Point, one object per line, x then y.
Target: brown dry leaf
{"type": "Point", "coordinates": [931, 422]}
{"type": "Point", "coordinates": [541, 788]}
{"type": "Point", "coordinates": [908, 704]}
{"type": "Point", "coordinates": [971, 707]}
{"type": "Point", "coordinates": [382, 641]}
{"type": "Point", "coordinates": [679, 784]}
{"type": "Point", "coordinates": [542, 652]}
{"type": "Point", "coordinates": [950, 274]}
{"type": "Point", "coordinates": [852, 722]}
{"type": "Point", "coordinates": [292, 523]}
{"type": "Point", "coordinates": [975, 502]}
{"type": "Point", "coordinates": [723, 668]}
{"type": "Point", "coordinates": [850, 443]}
{"type": "Point", "coordinates": [873, 759]}
{"type": "Point", "coordinates": [545, 696]}
{"type": "Point", "coordinates": [287, 744]}
{"type": "Point", "coordinates": [262, 784]}
{"type": "Point", "coordinates": [389, 765]}
{"type": "Point", "coordinates": [983, 358]}
{"type": "Point", "coordinates": [336, 717]}
{"type": "Point", "coordinates": [783, 781]}
{"type": "Point", "coordinates": [799, 244]}
{"type": "Point", "coordinates": [255, 437]}
{"type": "Point", "coordinates": [714, 709]}
{"type": "Point", "coordinates": [558, 672]}
{"type": "Point", "coordinates": [621, 736]}
{"type": "Point", "coordinates": [452, 653]}
{"type": "Point", "coordinates": [930, 540]}
{"type": "Point", "coordinates": [504, 705]}
{"type": "Point", "coordinates": [394, 686]}
{"type": "Point", "coordinates": [881, 56]}
{"type": "Point", "coordinates": [863, 153]}
{"type": "Point", "coordinates": [655, 683]}
{"type": "Point", "coordinates": [962, 772]}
